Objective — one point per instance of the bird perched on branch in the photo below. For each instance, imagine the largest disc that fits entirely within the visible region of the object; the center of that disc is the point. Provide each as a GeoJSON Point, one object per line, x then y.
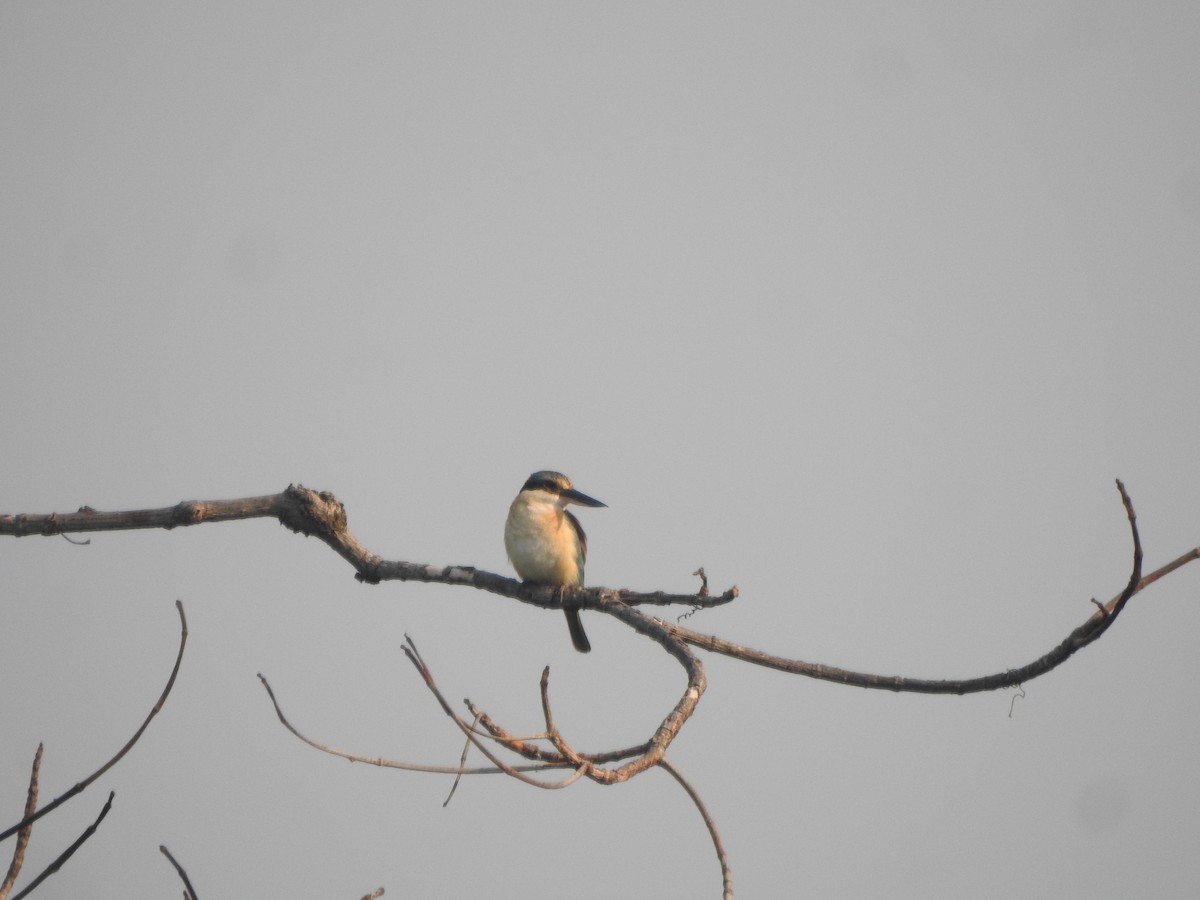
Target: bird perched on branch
{"type": "Point", "coordinates": [545, 543]}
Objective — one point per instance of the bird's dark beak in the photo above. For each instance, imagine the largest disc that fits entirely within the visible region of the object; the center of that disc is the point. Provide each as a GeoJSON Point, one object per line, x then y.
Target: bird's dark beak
{"type": "Point", "coordinates": [574, 496]}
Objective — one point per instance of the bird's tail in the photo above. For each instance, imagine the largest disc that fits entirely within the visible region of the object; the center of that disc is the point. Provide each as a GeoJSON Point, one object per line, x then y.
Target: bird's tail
{"type": "Point", "coordinates": [578, 635]}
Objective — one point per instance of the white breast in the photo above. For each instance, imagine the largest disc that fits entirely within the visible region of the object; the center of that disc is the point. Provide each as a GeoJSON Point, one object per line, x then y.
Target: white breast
{"type": "Point", "coordinates": [540, 541]}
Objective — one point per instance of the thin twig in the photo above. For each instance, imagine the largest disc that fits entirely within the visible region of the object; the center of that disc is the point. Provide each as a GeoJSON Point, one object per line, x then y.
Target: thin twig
{"type": "Point", "coordinates": [18, 859]}
{"type": "Point", "coordinates": [1148, 580]}
{"type": "Point", "coordinates": [584, 764]}
{"type": "Point", "coordinates": [523, 747]}
{"type": "Point", "coordinates": [69, 852]}
{"type": "Point", "coordinates": [189, 892]}
{"type": "Point", "coordinates": [381, 761]}
{"type": "Point", "coordinates": [462, 762]}
{"type": "Point", "coordinates": [414, 656]}
{"type": "Point", "coordinates": [83, 785]}
{"type": "Point", "coordinates": [565, 750]}
{"type": "Point", "coordinates": [581, 764]}
{"type": "Point", "coordinates": [709, 823]}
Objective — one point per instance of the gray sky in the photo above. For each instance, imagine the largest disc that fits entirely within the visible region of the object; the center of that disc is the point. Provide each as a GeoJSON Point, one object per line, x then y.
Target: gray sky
{"type": "Point", "coordinates": [860, 306]}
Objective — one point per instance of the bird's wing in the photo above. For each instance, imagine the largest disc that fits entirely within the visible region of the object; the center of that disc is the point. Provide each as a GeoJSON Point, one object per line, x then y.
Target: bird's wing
{"type": "Point", "coordinates": [582, 543]}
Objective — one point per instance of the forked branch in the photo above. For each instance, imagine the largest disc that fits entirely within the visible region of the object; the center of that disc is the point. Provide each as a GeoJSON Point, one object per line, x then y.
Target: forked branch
{"type": "Point", "coordinates": [560, 754]}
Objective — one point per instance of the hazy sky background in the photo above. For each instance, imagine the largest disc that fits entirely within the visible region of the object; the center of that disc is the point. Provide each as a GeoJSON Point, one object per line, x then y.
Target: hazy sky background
{"type": "Point", "coordinates": [860, 306]}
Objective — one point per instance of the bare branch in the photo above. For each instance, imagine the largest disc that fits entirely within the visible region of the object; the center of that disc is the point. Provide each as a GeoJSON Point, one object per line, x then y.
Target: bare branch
{"type": "Point", "coordinates": [322, 515]}
{"type": "Point", "coordinates": [644, 756]}
{"type": "Point", "coordinates": [524, 747]}
{"type": "Point", "coordinates": [661, 633]}
{"type": "Point", "coordinates": [83, 785]}
{"type": "Point", "coordinates": [1085, 634]}
{"type": "Point", "coordinates": [1148, 580]}
{"type": "Point", "coordinates": [189, 892]}
{"type": "Point", "coordinates": [674, 639]}
{"type": "Point", "coordinates": [414, 656]}
{"type": "Point", "coordinates": [383, 762]}
{"type": "Point", "coordinates": [70, 851]}
{"type": "Point", "coordinates": [709, 823]}
{"type": "Point", "coordinates": [14, 868]}
{"type": "Point", "coordinates": [582, 766]}
{"type": "Point", "coordinates": [462, 763]}
{"type": "Point", "coordinates": [185, 513]}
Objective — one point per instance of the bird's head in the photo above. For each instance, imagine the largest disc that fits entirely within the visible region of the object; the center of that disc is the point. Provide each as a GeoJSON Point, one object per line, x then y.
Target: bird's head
{"type": "Point", "coordinates": [558, 486]}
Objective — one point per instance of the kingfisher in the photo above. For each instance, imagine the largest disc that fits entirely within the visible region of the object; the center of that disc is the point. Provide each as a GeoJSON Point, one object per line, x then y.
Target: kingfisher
{"type": "Point", "coordinates": [545, 543]}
